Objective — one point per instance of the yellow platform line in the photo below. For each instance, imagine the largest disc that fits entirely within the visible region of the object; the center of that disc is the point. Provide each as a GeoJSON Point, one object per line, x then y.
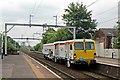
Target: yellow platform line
{"type": "Point", "coordinates": [34, 68]}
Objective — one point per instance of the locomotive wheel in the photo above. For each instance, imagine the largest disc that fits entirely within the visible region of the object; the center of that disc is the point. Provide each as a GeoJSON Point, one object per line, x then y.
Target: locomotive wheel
{"type": "Point", "coordinates": [55, 60]}
{"type": "Point", "coordinates": [68, 64]}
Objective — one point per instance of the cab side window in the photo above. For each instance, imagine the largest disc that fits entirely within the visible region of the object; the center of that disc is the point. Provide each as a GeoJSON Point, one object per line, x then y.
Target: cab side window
{"type": "Point", "coordinates": [70, 46]}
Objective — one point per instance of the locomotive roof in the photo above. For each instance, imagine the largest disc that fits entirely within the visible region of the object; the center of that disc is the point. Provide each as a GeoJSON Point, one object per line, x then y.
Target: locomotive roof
{"type": "Point", "coordinates": [48, 44]}
{"type": "Point", "coordinates": [75, 40]}
{"type": "Point", "coordinates": [81, 40]}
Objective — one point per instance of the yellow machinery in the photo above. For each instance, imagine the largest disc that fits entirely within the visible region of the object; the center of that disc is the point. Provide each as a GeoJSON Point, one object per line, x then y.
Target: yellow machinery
{"type": "Point", "coordinates": [78, 51]}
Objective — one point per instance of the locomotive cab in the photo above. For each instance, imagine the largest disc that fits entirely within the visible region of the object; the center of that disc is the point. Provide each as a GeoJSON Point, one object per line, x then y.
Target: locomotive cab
{"type": "Point", "coordinates": [84, 52]}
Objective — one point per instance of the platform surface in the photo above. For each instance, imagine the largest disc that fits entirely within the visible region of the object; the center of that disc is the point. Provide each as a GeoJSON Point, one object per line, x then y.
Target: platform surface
{"type": "Point", "coordinates": [108, 61]}
{"type": "Point", "coordinates": [22, 66]}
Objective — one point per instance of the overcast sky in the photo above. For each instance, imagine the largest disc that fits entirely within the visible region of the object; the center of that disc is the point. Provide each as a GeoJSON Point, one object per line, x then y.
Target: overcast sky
{"type": "Point", "coordinates": [18, 11]}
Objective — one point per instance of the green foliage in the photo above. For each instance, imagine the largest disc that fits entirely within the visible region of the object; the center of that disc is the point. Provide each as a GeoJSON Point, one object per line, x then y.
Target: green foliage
{"type": "Point", "coordinates": [117, 40]}
{"type": "Point", "coordinates": [118, 28]}
{"type": "Point", "coordinates": [77, 16]}
{"type": "Point", "coordinates": [51, 35]}
{"type": "Point", "coordinates": [116, 44]}
{"type": "Point", "coordinates": [31, 49]}
{"type": "Point", "coordinates": [24, 48]}
{"type": "Point", "coordinates": [12, 46]}
{"type": "Point", "coordinates": [63, 34]}
{"type": "Point", "coordinates": [38, 47]}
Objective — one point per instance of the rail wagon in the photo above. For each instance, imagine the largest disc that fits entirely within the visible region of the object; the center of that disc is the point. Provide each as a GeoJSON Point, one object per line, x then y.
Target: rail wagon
{"type": "Point", "coordinates": [48, 50]}
{"type": "Point", "coordinates": [78, 51]}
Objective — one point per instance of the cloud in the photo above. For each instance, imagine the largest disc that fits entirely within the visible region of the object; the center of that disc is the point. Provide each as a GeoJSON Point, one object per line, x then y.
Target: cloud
{"type": "Point", "coordinates": [104, 11]}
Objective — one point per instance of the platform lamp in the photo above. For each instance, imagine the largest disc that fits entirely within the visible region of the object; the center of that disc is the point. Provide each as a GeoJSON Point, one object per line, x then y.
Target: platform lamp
{"type": "Point", "coordinates": [55, 20]}
{"type": "Point", "coordinates": [30, 18]}
{"type": "Point", "coordinates": [2, 35]}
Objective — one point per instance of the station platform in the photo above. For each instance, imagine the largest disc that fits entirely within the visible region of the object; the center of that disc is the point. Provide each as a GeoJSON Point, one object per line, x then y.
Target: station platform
{"type": "Point", "coordinates": [108, 61]}
{"type": "Point", "coordinates": [23, 67]}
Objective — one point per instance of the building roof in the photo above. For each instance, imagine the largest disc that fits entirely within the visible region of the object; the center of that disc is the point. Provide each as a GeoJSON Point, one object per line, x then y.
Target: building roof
{"type": "Point", "coordinates": [109, 31]}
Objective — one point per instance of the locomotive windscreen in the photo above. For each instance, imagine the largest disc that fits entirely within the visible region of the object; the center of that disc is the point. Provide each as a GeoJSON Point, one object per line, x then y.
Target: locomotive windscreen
{"type": "Point", "coordinates": [89, 45]}
{"type": "Point", "coordinates": [78, 46]}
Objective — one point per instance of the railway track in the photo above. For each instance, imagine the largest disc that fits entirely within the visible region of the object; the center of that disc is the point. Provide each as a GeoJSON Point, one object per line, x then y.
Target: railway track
{"type": "Point", "coordinates": [68, 73]}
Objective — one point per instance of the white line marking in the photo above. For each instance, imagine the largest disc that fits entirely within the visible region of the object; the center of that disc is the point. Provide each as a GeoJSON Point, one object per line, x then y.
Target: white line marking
{"type": "Point", "coordinates": [44, 67]}
{"type": "Point", "coordinates": [108, 64]}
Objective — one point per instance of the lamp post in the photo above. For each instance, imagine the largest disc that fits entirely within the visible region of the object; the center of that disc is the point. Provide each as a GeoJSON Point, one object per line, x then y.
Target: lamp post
{"type": "Point", "coordinates": [55, 19]}
{"type": "Point", "coordinates": [2, 45]}
{"type": "Point", "coordinates": [30, 18]}
{"type": "Point", "coordinates": [0, 41]}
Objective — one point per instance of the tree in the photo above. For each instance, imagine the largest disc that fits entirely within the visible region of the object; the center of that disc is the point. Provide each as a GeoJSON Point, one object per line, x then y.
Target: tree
{"type": "Point", "coordinates": [118, 38]}
{"type": "Point", "coordinates": [12, 46]}
{"type": "Point", "coordinates": [63, 34]}
{"type": "Point", "coordinates": [49, 36]}
{"type": "Point", "coordinates": [77, 16]}
{"type": "Point", "coordinates": [37, 47]}
{"type": "Point", "coordinates": [60, 35]}
{"type": "Point", "coordinates": [116, 44]}
{"type": "Point", "coordinates": [118, 28]}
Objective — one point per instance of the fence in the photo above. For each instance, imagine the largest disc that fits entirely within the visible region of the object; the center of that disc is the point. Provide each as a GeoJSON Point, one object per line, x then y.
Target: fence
{"type": "Point", "coordinates": [108, 53]}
